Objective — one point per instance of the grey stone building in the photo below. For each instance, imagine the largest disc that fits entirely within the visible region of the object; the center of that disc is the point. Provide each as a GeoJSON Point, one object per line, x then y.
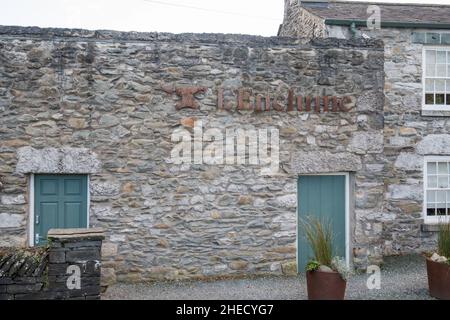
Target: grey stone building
{"type": "Point", "coordinates": [90, 122]}
{"type": "Point", "coordinates": [417, 105]}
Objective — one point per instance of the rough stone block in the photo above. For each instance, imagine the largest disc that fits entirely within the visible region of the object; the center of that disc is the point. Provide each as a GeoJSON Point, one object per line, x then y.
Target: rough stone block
{"type": "Point", "coordinates": [108, 277]}
{"type": "Point", "coordinates": [90, 290]}
{"type": "Point", "coordinates": [8, 220]}
{"type": "Point", "coordinates": [75, 256]}
{"type": "Point", "coordinates": [372, 101]}
{"type": "Point", "coordinates": [366, 142]}
{"type": "Point", "coordinates": [7, 240]}
{"type": "Point", "coordinates": [406, 192]}
{"type": "Point", "coordinates": [77, 298]}
{"type": "Point", "coordinates": [239, 265]}
{"type": "Point", "coordinates": [57, 283]}
{"type": "Point", "coordinates": [24, 288]}
{"type": "Point", "coordinates": [53, 160]}
{"type": "Point", "coordinates": [53, 295]}
{"type": "Point", "coordinates": [104, 188]}
{"type": "Point", "coordinates": [324, 162]}
{"type": "Point", "coordinates": [29, 296]}
{"type": "Point", "coordinates": [5, 280]}
{"type": "Point", "coordinates": [13, 199]}
{"type": "Point", "coordinates": [409, 162]}
{"type": "Point", "coordinates": [27, 280]}
{"type": "Point", "coordinates": [55, 269]}
{"type": "Point", "coordinates": [57, 256]}
{"type": "Point", "coordinates": [109, 249]}
{"type": "Point", "coordinates": [287, 201]}
{"type": "Point", "coordinates": [404, 131]}
{"type": "Point", "coordinates": [90, 281]}
{"type": "Point", "coordinates": [83, 244]}
{"type": "Point", "coordinates": [289, 268]}
{"type": "Point", "coordinates": [434, 144]}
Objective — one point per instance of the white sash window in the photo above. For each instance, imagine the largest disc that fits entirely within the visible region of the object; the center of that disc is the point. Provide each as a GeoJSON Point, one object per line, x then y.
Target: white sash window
{"type": "Point", "coordinates": [437, 189]}
{"type": "Point", "coordinates": [436, 78]}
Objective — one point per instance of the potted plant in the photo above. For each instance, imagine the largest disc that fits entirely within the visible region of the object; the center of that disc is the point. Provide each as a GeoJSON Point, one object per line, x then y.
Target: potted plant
{"type": "Point", "coordinates": [438, 266]}
{"type": "Point", "coordinates": [326, 276]}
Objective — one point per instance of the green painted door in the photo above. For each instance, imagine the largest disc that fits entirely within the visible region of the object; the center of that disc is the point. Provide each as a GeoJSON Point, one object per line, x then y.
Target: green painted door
{"type": "Point", "coordinates": [60, 201]}
{"type": "Point", "coordinates": [322, 197]}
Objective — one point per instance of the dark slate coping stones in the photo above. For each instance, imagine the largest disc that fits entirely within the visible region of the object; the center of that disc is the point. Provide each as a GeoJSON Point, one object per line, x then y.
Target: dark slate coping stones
{"type": "Point", "coordinates": [23, 262]}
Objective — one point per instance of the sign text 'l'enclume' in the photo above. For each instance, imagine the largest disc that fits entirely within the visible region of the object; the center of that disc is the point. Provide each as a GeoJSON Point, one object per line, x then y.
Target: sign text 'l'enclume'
{"type": "Point", "coordinates": [246, 100]}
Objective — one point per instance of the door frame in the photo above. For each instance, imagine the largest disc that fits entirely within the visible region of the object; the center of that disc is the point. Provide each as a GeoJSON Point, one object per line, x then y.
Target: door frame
{"type": "Point", "coordinates": [347, 214]}
{"type": "Point", "coordinates": [31, 204]}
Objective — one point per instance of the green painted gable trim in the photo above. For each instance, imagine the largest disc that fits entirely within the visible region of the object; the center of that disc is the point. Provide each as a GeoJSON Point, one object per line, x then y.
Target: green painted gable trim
{"type": "Point", "coordinates": [389, 24]}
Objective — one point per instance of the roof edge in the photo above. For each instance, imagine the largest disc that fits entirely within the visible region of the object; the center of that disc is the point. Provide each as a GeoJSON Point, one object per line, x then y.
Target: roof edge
{"type": "Point", "coordinates": [389, 24]}
{"type": "Point", "coordinates": [382, 3]}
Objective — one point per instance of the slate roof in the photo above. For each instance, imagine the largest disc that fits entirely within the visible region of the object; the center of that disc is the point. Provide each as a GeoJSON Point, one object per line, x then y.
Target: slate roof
{"type": "Point", "coordinates": [390, 13]}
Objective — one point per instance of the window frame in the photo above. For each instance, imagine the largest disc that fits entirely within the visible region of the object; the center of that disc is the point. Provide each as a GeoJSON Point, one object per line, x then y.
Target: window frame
{"type": "Point", "coordinates": [434, 107]}
{"type": "Point", "coordinates": [432, 219]}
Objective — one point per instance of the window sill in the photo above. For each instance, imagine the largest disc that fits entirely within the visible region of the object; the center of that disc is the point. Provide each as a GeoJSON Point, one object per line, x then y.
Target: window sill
{"type": "Point", "coordinates": [429, 227]}
{"type": "Point", "coordinates": [435, 113]}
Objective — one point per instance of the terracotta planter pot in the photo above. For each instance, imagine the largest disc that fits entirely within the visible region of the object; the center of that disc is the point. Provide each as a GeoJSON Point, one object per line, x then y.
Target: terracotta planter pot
{"type": "Point", "coordinates": [438, 279]}
{"type": "Point", "coordinates": [325, 285]}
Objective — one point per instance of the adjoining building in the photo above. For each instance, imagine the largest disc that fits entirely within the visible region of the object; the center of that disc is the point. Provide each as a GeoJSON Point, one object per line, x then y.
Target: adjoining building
{"type": "Point", "coordinates": [417, 105]}
{"type": "Point", "coordinates": [132, 132]}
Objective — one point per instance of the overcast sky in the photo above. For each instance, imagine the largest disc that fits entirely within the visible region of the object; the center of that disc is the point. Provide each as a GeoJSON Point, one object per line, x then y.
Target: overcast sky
{"type": "Point", "coordinates": [223, 16]}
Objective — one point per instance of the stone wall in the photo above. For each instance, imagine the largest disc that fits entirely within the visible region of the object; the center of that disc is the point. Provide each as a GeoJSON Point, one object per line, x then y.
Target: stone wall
{"type": "Point", "coordinates": [101, 103]}
{"type": "Point", "coordinates": [48, 273]}
{"type": "Point", "coordinates": [299, 22]}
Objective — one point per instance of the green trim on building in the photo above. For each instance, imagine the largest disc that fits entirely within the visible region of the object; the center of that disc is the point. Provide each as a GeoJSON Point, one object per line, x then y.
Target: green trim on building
{"type": "Point", "coordinates": [389, 24]}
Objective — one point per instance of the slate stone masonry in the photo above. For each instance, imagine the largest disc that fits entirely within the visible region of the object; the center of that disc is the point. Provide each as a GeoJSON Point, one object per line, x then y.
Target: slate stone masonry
{"type": "Point", "coordinates": [45, 274]}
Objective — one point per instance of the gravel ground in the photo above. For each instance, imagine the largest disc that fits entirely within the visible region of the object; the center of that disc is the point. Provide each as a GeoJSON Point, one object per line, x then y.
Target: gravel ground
{"type": "Point", "coordinates": [402, 278]}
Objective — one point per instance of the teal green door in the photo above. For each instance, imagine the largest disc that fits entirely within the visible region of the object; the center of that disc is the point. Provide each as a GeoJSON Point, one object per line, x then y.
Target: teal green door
{"type": "Point", "coordinates": [322, 197]}
{"type": "Point", "coordinates": [60, 201]}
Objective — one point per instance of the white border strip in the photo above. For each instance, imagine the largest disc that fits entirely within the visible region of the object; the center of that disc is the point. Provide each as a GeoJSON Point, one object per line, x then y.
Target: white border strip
{"type": "Point", "coordinates": [31, 210]}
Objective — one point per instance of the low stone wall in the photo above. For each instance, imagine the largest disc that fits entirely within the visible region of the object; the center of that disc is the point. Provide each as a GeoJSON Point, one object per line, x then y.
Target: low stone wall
{"type": "Point", "coordinates": [68, 268]}
{"type": "Point", "coordinates": [106, 104]}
